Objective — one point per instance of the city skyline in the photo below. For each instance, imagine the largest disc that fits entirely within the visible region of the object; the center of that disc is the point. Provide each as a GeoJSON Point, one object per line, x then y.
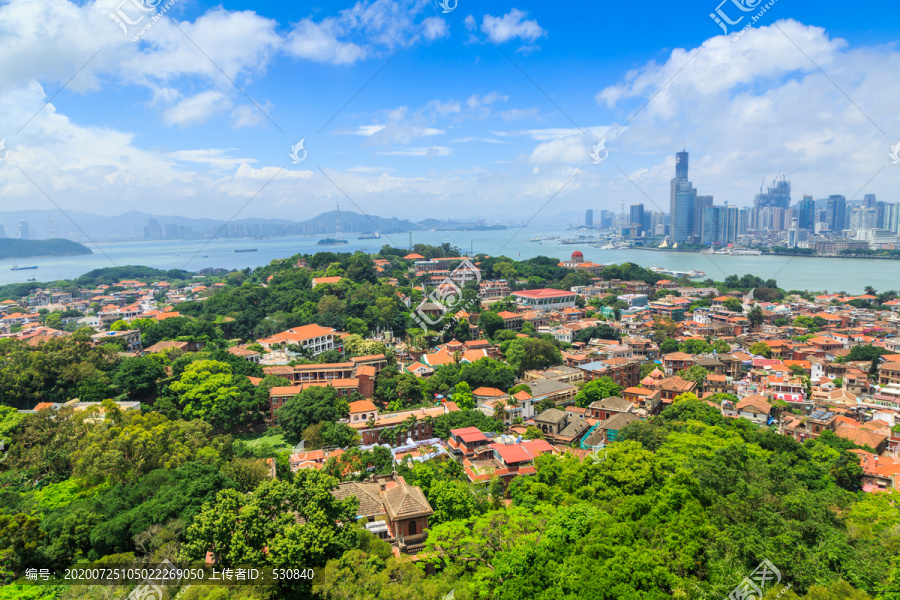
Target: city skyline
{"type": "Point", "coordinates": [202, 119]}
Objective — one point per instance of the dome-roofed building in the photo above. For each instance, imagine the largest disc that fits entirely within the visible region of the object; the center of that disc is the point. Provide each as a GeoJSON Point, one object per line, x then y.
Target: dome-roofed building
{"type": "Point", "coordinates": [577, 262]}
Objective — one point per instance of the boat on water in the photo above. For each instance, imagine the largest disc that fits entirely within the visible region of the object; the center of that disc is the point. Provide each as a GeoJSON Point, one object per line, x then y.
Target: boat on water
{"type": "Point", "coordinates": [369, 236]}
{"type": "Point", "coordinates": [331, 242]}
{"type": "Point", "coordinates": [18, 268]}
{"type": "Point", "coordinates": [733, 252]}
{"type": "Point", "coordinates": [692, 274]}
{"type": "Point", "coordinates": [32, 279]}
{"type": "Point", "coordinates": [245, 250]}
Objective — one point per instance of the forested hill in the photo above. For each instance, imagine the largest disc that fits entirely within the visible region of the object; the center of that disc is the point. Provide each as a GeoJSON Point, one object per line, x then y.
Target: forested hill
{"type": "Point", "coordinates": [12, 248]}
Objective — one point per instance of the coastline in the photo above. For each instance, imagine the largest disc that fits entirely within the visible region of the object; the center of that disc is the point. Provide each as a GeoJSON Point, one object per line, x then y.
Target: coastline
{"type": "Point", "coordinates": [793, 255]}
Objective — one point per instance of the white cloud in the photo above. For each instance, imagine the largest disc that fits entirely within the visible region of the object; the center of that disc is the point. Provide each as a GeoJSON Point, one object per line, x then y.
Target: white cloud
{"type": "Point", "coordinates": [197, 109]}
{"type": "Point", "coordinates": [210, 156]}
{"type": "Point", "coordinates": [519, 113]}
{"type": "Point", "coordinates": [511, 25]}
{"type": "Point", "coordinates": [427, 151]}
{"type": "Point", "coordinates": [362, 31]}
{"type": "Point", "coordinates": [436, 28]}
{"type": "Point", "coordinates": [478, 139]}
{"type": "Point", "coordinates": [751, 108]}
{"type": "Point", "coordinates": [319, 42]}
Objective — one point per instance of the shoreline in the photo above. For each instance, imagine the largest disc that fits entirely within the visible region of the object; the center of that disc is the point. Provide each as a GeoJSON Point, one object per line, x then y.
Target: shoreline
{"type": "Point", "coordinates": [858, 256]}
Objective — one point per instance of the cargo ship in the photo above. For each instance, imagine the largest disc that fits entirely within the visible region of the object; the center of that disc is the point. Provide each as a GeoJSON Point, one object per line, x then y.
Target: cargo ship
{"type": "Point", "coordinates": [246, 250]}
{"type": "Point", "coordinates": [18, 268]}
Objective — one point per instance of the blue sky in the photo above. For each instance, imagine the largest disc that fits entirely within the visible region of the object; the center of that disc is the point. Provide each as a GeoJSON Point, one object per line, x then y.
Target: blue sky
{"type": "Point", "coordinates": [491, 111]}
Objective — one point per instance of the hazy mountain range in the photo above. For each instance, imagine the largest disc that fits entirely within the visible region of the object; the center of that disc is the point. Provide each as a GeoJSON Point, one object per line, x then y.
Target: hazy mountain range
{"type": "Point", "coordinates": [133, 225]}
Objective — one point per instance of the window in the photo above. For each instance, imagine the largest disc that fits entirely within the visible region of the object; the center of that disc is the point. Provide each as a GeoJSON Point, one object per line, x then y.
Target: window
{"type": "Point", "coordinates": [412, 528]}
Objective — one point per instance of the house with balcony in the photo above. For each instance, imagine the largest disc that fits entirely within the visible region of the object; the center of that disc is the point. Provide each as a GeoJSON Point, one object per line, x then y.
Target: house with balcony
{"type": "Point", "coordinates": [314, 338]}
{"type": "Point", "coordinates": [754, 408]}
{"type": "Point", "coordinates": [889, 373]}
{"type": "Point", "coordinates": [606, 408]}
{"type": "Point", "coordinates": [505, 459]}
{"type": "Point", "coordinates": [677, 361]}
{"type": "Point", "coordinates": [544, 299]}
{"type": "Point", "coordinates": [467, 441]}
{"type": "Point", "coordinates": [390, 509]}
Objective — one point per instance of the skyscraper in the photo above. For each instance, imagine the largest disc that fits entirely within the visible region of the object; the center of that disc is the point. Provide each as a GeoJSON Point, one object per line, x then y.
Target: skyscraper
{"type": "Point", "coordinates": [589, 218]}
{"type": "Point", "coordinates": [807, 218]}
{"type": "Point", "coordinates": [681, 165]}
{"type": "Point", "coordinates": [720, 225]}
{"type": "Point", "coordinates": [869, 201]}
{"type": "Point", "coordinates": [682, 199]}
{"type": "Point", "coordinates": [701, 204]}
{"type": "Point", "coordinates": [636, 216]}
{"type": "Point", "coordinates": [836, 213]}
{"type": "Point", "coordinates": [24, 231]}
{"type": "Point", "coordinates": [776, 195]}
{"type": "Point", "coordinates": [606, 219]}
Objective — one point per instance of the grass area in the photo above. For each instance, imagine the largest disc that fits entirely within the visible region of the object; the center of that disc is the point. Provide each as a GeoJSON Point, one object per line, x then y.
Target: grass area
{"type": "Point", "coordinates": [275, 441]}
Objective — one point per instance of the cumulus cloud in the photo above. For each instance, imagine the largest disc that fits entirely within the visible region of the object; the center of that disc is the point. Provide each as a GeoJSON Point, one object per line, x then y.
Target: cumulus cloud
{"type": "Point", "coordinates": [511, 25]}
{"type": "Point", "coordinates": [751, 108]}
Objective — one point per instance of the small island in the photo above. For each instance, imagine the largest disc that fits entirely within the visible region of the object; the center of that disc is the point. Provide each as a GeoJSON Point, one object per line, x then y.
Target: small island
{"type": "Point", "coordinates": [13, 248]}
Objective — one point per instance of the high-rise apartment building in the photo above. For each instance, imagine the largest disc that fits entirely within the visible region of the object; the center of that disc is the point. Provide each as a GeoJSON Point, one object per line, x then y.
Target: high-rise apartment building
{"type": "Point", "coordinates": [777, 195]}
{"type": "Point", "coordinates": [807, 216]}
{"type": "Point", "coordinates": [682, 200]}
{"type": "Point", "coordinates": [589, 218]}
{"type": "Point", "coordinates": [636, 216]}
{"type": "Point", "coordinates": [24, 230]}
{"type": "Point", "coordinates": [836, 213]}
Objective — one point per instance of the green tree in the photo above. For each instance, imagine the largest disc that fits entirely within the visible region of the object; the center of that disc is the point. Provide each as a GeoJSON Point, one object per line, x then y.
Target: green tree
{"type": "Point", "coordinates": [668, 345]}
{"type": "Point", "coordinates": [138, 377]}
{"type": "Point", "coordinates": [756, 316]}
{"type": "Point", "coordinates": [533, 433]}
{"type": "Point", "coordinates": [733, 304]}
{"type": "Point", "coordinates": [697, 374]}
{"type": "Point", "coordinates": [463, 396]}
{"type": "Point", "coordinates": [596, 390]}
{"type": "Point", "coordinates": [312, 405]}
{"type": "Point", "coordinates": [761, 349]}
{"type": "Point", "coordinates": [451, 501]}
{"type": "Point", "coordinates": [490, 322]}
{"type": "Point", "coordinates": [208, 390]}
{"type": "Point", "coordinates": [527, 354]}
{"type": "Point", "coordinates": [279, 523]}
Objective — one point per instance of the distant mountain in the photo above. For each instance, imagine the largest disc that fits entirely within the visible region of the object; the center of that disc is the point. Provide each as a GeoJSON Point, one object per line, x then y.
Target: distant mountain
{"type": "Point", "coordinates": [136, 225]}
{"type": "Point", "coordinates": [352, 222]}
{"type": "Point", "coordinates": [457, 226]}
{"type": "Point", "coordinates": [12, 248]}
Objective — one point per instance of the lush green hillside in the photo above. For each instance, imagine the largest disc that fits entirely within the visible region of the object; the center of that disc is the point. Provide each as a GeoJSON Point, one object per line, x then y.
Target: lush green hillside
{"type": "Point", "coordinates": [11, 248]}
